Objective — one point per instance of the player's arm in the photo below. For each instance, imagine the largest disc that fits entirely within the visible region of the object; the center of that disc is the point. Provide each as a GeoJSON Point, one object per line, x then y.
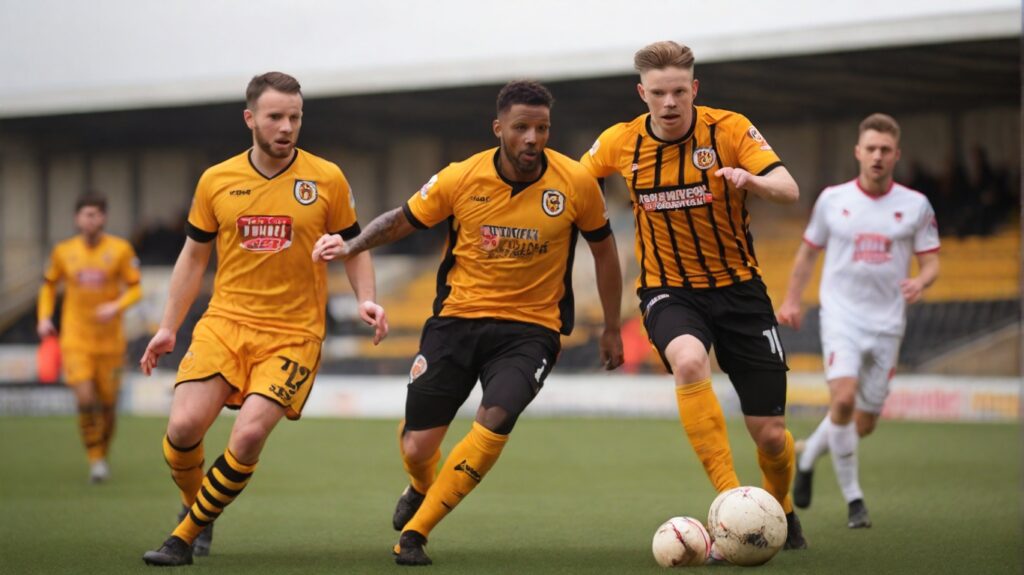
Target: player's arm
{"type": "Point", "coordinates": [186, 279]}
{"type": "Point", "coordinates": [913, 288]}
{"type": "Point", "coordinates": [45, 306]}
{"type": "Point", "coordinates": [803, 266]}
{"type": "Point", "coordinates": [777, 185]}
{"type": "Point", "coordinates": [609, 289]}
{"type": "Point", "coordinates": [359, 269]}
{"type": "Point", "coordinates": [386, 228]}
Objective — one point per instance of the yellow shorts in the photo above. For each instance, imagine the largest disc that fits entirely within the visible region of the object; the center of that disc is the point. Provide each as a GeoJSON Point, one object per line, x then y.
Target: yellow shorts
{"type": "Point", "coordinates": [103, 369]}
{"type": "Point", "coordinates": [277, 366]}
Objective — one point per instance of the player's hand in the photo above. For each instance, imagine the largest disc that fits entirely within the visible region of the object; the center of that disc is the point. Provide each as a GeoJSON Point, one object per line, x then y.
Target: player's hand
{"type": "Point", "coordinates": [162, 342]}
{"type": "Point", "coordinates": [611, 349]}
{"type": "Point", "coordinates": [45, 328]}
{"type": "Point", "coordinates": [738, 177]}
{"type": "Point", "coordinates": [912, 289]}
{"type": "Point", "coordinates": [107, 311]}
{"type": "Point", "coordinates": [373, 315]}
{"type": "Point", "coordinates": [790, 314]}
{"type": "Point", "coordinates": [329, 247]}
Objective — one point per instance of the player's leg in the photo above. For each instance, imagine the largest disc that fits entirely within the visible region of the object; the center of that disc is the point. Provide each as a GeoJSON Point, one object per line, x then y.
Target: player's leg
{"type": "Point", "coordinates": [108, 385]}
{"type": "Point", "coordinates": [79, 375]}
{"type": "Point", "coordinates": [520, 358]}
{"type": "Point", "coordinates": [678, 329]}
{"type": "Point", "coordinates": [815, 446]}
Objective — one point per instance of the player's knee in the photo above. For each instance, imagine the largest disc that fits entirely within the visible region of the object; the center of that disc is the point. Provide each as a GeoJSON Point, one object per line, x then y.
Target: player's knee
{"type": "Point", "coordinates": [865, 426]}
{"type": "Point", "coordinates": [496, 419]}
{"type": "Point", "coordinates": [689, 367]}
{"type": "Point", "coordinates": [183, 429]}
{"type": "Point", "coordinates": [842, 406]}
{"type": "Point", "coordinates": [416, 449]}
{"type": "Point", "coordinates": [771, 438]}
{"type": "Point", "coordinates": [247, 441]}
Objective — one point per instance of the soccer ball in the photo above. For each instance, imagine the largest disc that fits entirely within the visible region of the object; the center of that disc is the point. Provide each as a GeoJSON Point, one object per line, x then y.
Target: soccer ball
{"type": "Point", "coordinates": [681, 542]}
{"type": "Point", "coordinates": [747, 525]}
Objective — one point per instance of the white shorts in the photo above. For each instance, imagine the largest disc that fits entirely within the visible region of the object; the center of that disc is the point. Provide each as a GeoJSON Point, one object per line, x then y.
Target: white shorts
{"type": "Point", "coordinates": [870, 357]}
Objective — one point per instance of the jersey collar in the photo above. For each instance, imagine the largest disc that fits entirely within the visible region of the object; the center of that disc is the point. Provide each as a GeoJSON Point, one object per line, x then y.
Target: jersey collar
{"type": "Point", "coordinates": [685, 137]}
{"type": "Point", "coordinates": [248, 156]}
{"type": "Point", "coordinates": [520, 186]}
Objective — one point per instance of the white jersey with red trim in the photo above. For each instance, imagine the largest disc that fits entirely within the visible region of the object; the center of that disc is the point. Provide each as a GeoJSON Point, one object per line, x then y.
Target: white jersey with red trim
{"type": "Point", "coordinates": [869, 242]}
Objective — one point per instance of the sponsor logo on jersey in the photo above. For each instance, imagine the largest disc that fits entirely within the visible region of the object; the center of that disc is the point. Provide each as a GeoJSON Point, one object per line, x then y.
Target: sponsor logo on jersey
{"type": "Point", "coordinates": [426, 187]}
{"type": "Point", "coordinates": [509, 242]}
{"type": "Point", "coordinates": [265, 233]}
{"type": "Point", "coordinates": [674, 198]}
{"type": "Point", "coordinates": [305, 191]}
{"type": "Point", "coordinates": [239, 192]}
{"type": "Point", "coordinates": [419, 367]}
{"type": "Point", "coordinates": [872, 248]}
{"type": "Point", "coordinates": [704, 158]}
{"type": "Point", "coordinates": [482, 199]}
{"type": "Point", "coordinates": [553, 202]}
{"type": "Point", "coordinates": [91, 277]}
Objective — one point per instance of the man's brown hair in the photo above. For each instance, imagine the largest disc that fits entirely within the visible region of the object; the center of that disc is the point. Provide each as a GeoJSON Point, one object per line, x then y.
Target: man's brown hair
{"type": "Point", "coordinates": [271, 80]}
{"type": "Point", "coordinates": [661, 55]}
{"type": "Point", "coordinates": [91, 200]}
{"type": "Point", "coordinates": [883, 123]}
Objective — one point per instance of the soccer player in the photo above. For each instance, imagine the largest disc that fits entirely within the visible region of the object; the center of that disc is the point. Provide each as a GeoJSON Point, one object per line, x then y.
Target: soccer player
{"type": "Point", "coordinates": [100, 274]}
{"type": "Point", "coordinates": [504, 295]}
{"type": "Point", "coordinates": [257, 346]}
{"type": "Point", "coordinates": [690, 170]}
{"type": "Point", "coordinates": [869, 227]}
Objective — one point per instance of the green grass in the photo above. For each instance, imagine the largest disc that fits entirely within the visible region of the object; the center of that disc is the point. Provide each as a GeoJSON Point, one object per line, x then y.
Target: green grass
{"type": "Point", "coordinates": [568, 496]}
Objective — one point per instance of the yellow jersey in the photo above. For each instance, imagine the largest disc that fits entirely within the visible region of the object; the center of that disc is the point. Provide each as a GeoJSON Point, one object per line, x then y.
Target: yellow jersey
{"type": "Point", "coordinates": [692, 227]}
{"type": "Point", "coordinates": [510, 244]}
{"type": "Point", "coordinates": [92, 275]}
{"type": "Point", "coordinates": [265, 229]}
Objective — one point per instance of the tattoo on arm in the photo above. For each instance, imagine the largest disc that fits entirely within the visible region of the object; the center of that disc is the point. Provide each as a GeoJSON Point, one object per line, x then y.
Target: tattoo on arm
{"type": "Point", "coordinates": [385, 228]}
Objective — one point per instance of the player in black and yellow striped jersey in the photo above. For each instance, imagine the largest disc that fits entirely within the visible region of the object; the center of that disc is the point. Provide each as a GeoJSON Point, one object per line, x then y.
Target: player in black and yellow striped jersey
{"type": "Point", "coordinates": [504, 295]}
{"type": "Point", "coordinates": [257, 346]}
{"type": "Point", "coordinates": [690, 170]}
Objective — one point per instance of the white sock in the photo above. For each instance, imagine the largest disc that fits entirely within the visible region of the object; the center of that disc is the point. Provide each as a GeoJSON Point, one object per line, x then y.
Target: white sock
{"type": "Point", "coordinates": [842, 441]}
{"type": "Point", "coordinates": [815, 446]}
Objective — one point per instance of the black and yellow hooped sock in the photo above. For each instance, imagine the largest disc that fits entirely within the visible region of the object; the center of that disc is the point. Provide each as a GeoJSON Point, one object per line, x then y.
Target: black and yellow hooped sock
{"type": "Point", "coordinates": [226, 478]}
{"type": "Point", "coordinates": [90, 426]}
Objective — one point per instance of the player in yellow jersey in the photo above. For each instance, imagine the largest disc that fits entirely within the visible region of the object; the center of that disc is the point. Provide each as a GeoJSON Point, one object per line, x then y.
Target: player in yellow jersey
{"type": "Point", "coordinates": [100, 274]}
{"type": "Point", "coordinates": [504, 296]}
{"type": "Point", "coordinates": [257, 346]}
{"type": "Point", "coordinates": [690, 170]}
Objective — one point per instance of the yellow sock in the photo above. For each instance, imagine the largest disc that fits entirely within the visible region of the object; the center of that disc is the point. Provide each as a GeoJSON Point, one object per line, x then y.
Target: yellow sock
{"type": "Point", "coordinates": [464, 468]}
{"type": "Point", "coordinates": [777, 472]}
{"type": "Point", "coordinates": [226, 478]}
{"type": "Point", "coordinates": [186, 465]}
{"type": "Point", "coordinates": [90, 426]}
{"type": "Point", "coordinates": [704, 422]}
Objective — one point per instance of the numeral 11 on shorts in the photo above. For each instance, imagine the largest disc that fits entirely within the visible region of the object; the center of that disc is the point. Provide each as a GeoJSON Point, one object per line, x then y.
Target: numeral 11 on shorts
{"type": "Point", "coordinates": [774, 343]}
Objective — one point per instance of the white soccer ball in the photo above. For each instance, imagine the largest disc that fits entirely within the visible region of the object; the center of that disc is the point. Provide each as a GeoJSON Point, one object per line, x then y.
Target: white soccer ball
{"type": "Point", "coordinates": [681, 542]}
{"type": "Point", "coordinates": [747, 525]}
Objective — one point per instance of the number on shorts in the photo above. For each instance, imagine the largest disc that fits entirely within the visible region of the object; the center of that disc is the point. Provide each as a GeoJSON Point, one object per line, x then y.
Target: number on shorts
{"type": "Point", "coordinates": [774, 343]}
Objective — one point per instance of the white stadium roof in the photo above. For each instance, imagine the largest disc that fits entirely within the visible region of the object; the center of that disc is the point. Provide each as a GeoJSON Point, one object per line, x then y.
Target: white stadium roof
{"type": "Point", "coordinates": [61, 56]}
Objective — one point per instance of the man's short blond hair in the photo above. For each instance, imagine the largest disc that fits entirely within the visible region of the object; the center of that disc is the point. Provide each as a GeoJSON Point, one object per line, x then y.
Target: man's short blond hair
{"type": "Point", "coordinates": [661, 55]}
{"type": "Point", "coordinates": [883, 123]}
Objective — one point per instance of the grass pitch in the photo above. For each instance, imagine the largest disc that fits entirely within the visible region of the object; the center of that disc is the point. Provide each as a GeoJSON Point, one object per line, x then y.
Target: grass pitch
{"type": "Point", "coordinates": [567, 496]}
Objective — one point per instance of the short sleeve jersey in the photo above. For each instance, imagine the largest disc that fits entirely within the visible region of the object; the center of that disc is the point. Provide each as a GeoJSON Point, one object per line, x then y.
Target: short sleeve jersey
{"type": "Point", "coordinates": [510, 249]}
{"type": "Point", "coordinates": [692, 227]}
{"type": "Point", "coordinates": [869, 242]}
{"type": "Point", "coordinates": [265, 229]}
{"type": "Point", "coordinates": [92, 276]}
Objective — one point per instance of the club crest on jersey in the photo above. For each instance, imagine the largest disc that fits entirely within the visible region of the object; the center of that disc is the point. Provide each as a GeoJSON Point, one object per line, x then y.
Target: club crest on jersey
{"type": "Point", "coordinates": [419, 367]}
{"type": "Point", "coordinates": [757, 137]}
{"type": "Point", "coordinates": [553, 202]}
{"type": "Point", "coordinates": [425, 189]}
{"type": "Point", "coordinates": [704, 158]}
{"type": "Point", "coordinates": [305, 191]}
{"type": "Point", "coordinates": [265, 233]}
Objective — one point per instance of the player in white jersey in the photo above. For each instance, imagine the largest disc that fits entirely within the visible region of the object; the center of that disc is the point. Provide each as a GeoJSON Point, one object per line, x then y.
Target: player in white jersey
{"type": "Point", "coordinates": [869, 228]}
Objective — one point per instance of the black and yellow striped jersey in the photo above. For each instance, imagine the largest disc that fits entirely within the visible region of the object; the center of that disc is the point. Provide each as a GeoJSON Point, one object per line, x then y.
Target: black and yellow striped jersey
{"type": "Point", "coordinates": [692, 227]}
{"type": "Point", "coordinates": [510, 244]}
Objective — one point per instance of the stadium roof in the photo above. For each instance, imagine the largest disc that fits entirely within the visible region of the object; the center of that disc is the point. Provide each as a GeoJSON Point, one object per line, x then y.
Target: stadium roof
{"type": "Point", "coordinates": [68, 57]}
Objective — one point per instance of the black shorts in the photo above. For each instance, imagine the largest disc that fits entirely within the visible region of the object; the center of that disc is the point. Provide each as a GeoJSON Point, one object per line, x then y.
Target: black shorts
{"type": "Point", "coordinates": [510, 359]}
{"type": "Point", "coordinates": [739, 322]}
